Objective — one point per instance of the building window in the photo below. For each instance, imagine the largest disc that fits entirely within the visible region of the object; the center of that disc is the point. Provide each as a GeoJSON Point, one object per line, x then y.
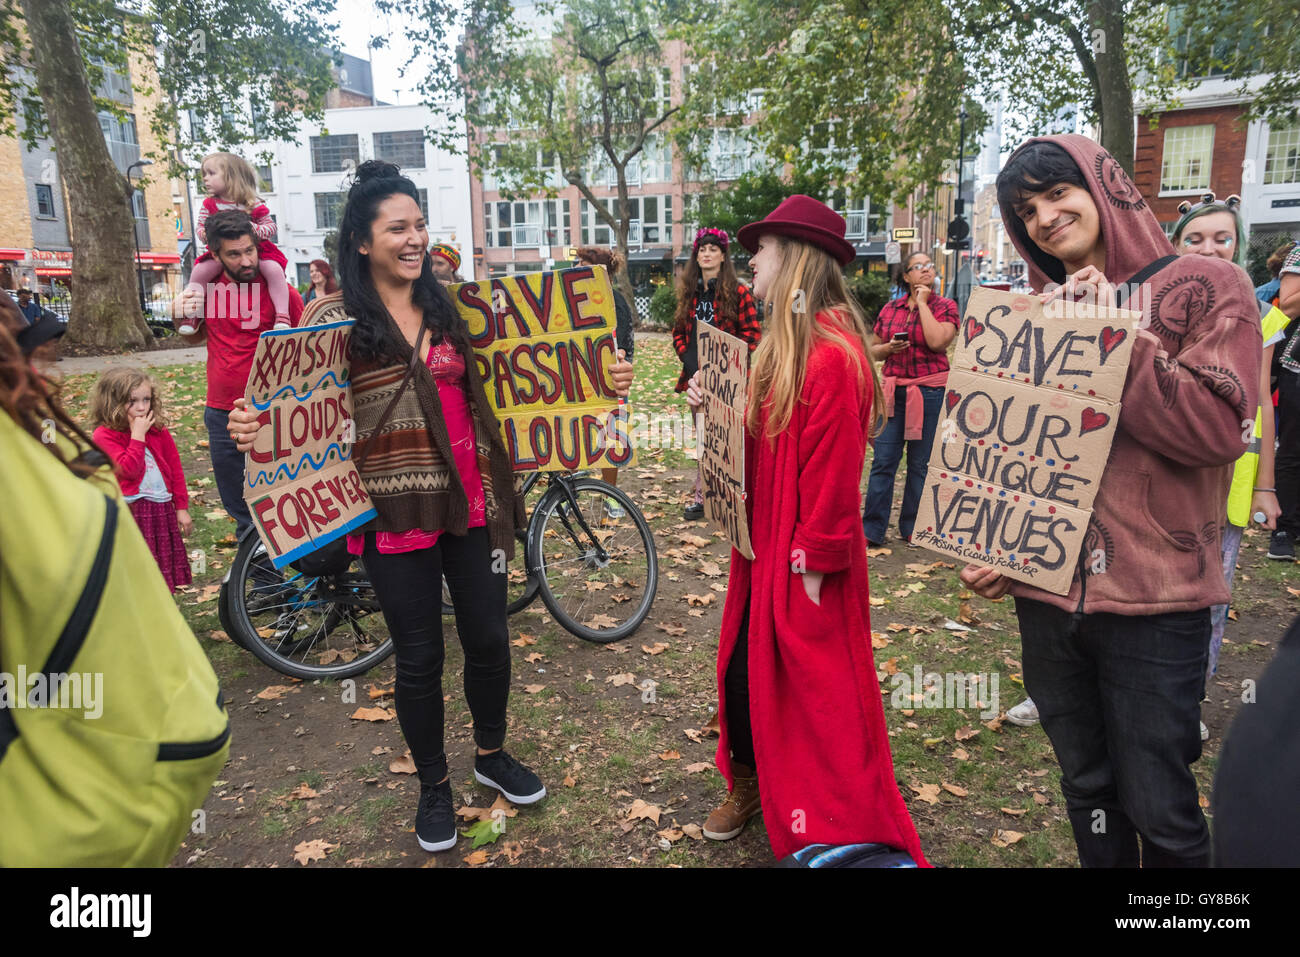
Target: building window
{"type": "Point", "coordinates": [44, 201]}
{"type": "Point", "coordinates": [333, 154]}
{"type": "Point", "coordinates": [731, 154]}
{"type": "Point", "coordinates": [329, 206]}
{"type": "Point", "coordinates": [557, 222]}
{"type": "Point", "coordinates": [1186, 165]}
{"type": "Point", "coordinates": [424, 204]}
{"type": "Point", "coordinates": [264, 184]}
{"type": "Point", "coordinates": [650, 222]}
{"type": "Point", "coordinates": [304, 274]}
{"type": "Point", "coordinates": [405, 148]}
{"type": "Point", "coordinates": [656, 161]}
{"type": "Point", "coordinates": [1282, 157]}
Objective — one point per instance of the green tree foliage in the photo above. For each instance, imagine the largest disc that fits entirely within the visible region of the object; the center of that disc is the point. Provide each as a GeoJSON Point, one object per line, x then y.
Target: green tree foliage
{"type": "Point", "coordinates": [861, 91]}
{"type": "Point", "coordinates": [752, 196]}
{"type": "Point", "coordinates": [240, 70]}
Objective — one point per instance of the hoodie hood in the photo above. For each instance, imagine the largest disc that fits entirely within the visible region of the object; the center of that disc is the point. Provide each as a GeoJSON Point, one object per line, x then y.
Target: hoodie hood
{"type": "Point", "coordinates": [1132, 235]}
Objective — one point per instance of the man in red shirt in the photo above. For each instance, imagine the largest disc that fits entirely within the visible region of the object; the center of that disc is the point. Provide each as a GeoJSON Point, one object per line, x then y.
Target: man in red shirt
{"type": "Point", "coordinates": [235, 310]}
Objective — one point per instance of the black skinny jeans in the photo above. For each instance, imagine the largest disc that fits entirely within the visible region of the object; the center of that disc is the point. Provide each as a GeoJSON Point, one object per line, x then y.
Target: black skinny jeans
{"type": "Point", "coordinates": [740, 733]}
{"type": "Point", "coordinates": [1286, 467]}
{"type": "Point", "coordinates": [409, 588]}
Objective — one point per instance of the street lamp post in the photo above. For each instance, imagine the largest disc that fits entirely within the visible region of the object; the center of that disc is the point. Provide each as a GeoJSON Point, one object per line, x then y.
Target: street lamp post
{"type": "Point", "coordinates": [135, 233]}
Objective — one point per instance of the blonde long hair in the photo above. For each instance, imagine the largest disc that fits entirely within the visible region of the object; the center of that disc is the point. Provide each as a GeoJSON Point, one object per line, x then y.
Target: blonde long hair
{"type": "Point", "coordinates": [809, 282]}
{"type": "Point", "coordinates": [240, 177]}
{"type": "Point", "coordinates": [112, 392]}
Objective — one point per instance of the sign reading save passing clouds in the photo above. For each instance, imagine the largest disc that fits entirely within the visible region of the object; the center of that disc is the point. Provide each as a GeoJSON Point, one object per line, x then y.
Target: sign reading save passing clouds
{"type": "Point", "coordinates": [544, 342]}
{"type": "Point", "coordinates": [1030, 410]}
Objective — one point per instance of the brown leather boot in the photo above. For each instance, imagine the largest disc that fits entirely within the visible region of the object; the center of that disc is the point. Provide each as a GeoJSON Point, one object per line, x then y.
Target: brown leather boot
{"type": "Point", "coordinates": [741, 804]}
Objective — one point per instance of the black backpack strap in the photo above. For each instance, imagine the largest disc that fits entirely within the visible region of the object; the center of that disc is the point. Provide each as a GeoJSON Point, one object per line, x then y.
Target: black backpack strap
{"type": "Point", "coordinates": [1139, 277]}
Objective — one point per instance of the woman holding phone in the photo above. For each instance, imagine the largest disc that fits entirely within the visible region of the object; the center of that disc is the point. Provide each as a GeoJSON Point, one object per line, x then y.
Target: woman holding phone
{"type": "Point", "coordinates": [911, 337]}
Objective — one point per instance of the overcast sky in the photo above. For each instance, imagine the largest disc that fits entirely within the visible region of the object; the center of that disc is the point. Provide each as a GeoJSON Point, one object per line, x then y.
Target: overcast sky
{"type": "Point", "coordinates": [358, 22]}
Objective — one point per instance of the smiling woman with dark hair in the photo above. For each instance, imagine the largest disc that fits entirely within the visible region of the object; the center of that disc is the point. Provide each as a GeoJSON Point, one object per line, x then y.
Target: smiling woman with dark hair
{"type": "Point", "coordinates": [429, 451]}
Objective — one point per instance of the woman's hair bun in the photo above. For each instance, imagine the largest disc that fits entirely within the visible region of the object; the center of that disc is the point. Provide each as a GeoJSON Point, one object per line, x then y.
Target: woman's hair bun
{"type": "Point", "coordinates": [376, 169]}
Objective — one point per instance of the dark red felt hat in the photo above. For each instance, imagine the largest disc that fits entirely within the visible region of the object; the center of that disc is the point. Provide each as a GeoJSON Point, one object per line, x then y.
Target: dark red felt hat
{"type": "Point", "coordinates": [802, 217]}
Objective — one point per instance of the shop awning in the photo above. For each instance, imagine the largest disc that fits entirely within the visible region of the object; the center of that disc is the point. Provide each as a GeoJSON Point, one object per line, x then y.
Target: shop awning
{"type": "Point", "coordinates": [13, 255]}
{"type": "Point", "coordinates": [649, 256]}
{"type": "Point", "coordinates": [53, 271]}
{"type": "Point", "coordinates": [159, 259]}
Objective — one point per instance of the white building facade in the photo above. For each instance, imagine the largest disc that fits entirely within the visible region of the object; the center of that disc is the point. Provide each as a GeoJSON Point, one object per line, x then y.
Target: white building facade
{"type": "Point", "coordinates": [306, 182]}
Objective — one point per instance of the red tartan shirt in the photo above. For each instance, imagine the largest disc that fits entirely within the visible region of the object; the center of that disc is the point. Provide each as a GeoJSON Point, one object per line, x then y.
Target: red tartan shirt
{"type": "Point", "coordinates": [745, 326]}
{"type": "Point", "coordinates": [918, 360]}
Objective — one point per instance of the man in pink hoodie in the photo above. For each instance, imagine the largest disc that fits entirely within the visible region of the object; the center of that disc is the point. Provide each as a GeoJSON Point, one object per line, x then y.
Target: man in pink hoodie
{"type": "Point", "coordinates": [1116, 666]}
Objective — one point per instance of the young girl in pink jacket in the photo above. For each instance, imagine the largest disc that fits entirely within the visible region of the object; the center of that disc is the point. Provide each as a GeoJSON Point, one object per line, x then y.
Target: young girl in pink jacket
{"type": "Point", "coordinates": [131, 426]}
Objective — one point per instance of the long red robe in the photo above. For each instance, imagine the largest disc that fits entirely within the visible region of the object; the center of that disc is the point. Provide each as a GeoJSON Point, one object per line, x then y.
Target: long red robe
{"type": "Point", "coordinates": [824, 769]}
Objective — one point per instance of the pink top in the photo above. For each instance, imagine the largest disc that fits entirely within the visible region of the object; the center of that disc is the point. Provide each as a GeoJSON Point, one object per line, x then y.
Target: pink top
{"type": "Point", "coordinates": [448, 368]}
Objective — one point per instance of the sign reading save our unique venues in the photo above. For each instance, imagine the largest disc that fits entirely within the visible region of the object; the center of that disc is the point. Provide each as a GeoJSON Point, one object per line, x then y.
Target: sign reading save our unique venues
{"type": "Point", "coordinates": [724, 378]}
{"type": "Point", "coordinates": [545, 343]}
{"type": "Point", "coordinates": [1028, 417]}
{"type": "Point", "coordinates": [299, 480]}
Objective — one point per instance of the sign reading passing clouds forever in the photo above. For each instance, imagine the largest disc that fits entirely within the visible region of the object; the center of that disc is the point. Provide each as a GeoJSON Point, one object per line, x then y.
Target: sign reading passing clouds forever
{"type": "Point", "coordinates": [1030, 411]}
{"type": "Point", "coordinates": [544, 342]}
{"type": "Point", "coordinates": [724, 377]}
{"type": "Point", "coordinates": [299, 480]}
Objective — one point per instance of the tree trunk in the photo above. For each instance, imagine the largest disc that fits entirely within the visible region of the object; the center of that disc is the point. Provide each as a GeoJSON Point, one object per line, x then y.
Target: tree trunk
{"type": "Point", "coordinates": [105, 293]}
{"type": "Point", "coordinates": [1115, 89]}
{"type": "Point", "coordinates": [624, 279]}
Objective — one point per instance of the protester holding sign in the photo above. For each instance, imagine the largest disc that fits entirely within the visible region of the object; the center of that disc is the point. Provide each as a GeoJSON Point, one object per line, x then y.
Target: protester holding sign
{"type": "Point", "coordinates": [709, 293]}
{"type": "Point", "coordinates": [803, 729]}
{"type": "Point", "coordinates": [1213, 228]}
{"type": "Point", "coordinates": [431, 457]}
{"type": "Point", "coordinates": [912, 335]}
{"type": "Point", "coordinates": [1116, 665]}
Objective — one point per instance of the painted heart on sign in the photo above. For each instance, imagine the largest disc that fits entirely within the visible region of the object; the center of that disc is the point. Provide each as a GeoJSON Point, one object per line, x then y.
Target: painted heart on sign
{"type": "Point", "coordinates": [953, 398]}
{"type": "Point", "coordinates": [973, 328]}
{"type": "Point", "coordinates": [1110, 340]}
{"type": "Point", "coordinates": [1090, 420]}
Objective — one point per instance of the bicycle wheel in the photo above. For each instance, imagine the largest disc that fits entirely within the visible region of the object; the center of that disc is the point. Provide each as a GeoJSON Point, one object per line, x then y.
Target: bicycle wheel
{"type": "Point", "coordinates": [324, 626]}
{"type": "Point", "coordinates": [596, 569]}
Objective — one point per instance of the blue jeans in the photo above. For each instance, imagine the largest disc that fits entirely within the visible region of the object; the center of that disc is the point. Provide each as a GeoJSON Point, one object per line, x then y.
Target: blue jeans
{"type": "Point", "coordinates": [1119, 697]}
{"type": "Point", "coordinates": [227, 468]}
{"type": "Point", "coordinates": [885, 456]}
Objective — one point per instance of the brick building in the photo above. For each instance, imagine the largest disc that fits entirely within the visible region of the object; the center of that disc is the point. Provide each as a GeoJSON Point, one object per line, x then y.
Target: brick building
{"type": "Point", "coordinates": [1206, 145]}
{"type": "Point", "coordinates": [35, 234]}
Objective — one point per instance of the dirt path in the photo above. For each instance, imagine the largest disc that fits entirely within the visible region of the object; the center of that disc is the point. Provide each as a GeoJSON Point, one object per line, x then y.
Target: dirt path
{"type": "Point", "coordinates": [78, 365]}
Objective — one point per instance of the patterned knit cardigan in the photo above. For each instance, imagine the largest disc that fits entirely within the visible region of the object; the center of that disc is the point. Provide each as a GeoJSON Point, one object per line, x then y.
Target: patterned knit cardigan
{"type": "Point", "coordinates": [409, 469]}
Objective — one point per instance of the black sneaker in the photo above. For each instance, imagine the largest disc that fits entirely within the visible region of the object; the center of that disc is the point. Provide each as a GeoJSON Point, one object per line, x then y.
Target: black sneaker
{"type": "Point", "coordinates": [1281, 547]}
{"type": "Point", "coordinates": [435, 821]}
{"type": "Point", "coordinates": [693, 513]}
{"type": "Point", "coordinates": [518, 783]}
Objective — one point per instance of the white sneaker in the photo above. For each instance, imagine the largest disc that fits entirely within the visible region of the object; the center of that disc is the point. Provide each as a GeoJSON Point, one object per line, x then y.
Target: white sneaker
{"type": "Point", "coordinates": [1205, 732]}
{"type": "Point", "coordinates": [1025, 714]}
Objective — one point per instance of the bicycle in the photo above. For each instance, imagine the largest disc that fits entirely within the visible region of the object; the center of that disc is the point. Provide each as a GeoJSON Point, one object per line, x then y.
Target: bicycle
{"type": "Point", "coordinates": [319, 618]}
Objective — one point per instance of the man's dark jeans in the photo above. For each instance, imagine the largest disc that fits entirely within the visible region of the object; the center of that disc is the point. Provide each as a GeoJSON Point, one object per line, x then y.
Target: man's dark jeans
{"type": "Point", "coordinates": [227, 468]}
{"type": "Point", "coordinates": [1286, 468]}
{"type": "Point", "coordinates": [887, 452]}
{"type": "Point", "coordinates": [1119, 697]}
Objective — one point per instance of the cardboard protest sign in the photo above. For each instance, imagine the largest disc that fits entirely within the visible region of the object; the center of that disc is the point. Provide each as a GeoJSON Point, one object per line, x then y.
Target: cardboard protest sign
{"type": "Point", "coordinates": [299, 480]}
{"type": "Point", "coordinates": [724, 375]}
{"type": "Point", "coordinates": [544, 343]}
{"type": "Point", "coordinates": [1029, 414]}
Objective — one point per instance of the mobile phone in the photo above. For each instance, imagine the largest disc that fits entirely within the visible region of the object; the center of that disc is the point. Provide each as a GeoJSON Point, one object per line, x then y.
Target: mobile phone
{"type": "Point", "coordinates": [900, 337]}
